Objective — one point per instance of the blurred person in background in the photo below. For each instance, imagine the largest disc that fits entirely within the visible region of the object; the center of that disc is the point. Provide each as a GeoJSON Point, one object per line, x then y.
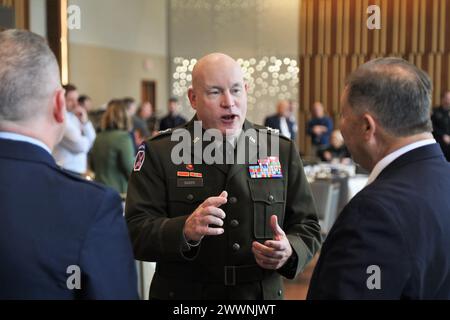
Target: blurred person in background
{"type": "Point", "coordinates": [337, 151]}
{"type": "Point", "coordinates": [94, 116]}
{"type": "Point", "coordinates": [79, 135]}
{"type": "Point", "coordinates": [139, 119]}
{"type": "Point", "coordinates": [152, 121]}
{"type": "Point", "coordinates": [319, 128]}
{"type": "Point", "coordinates": [131, 108]}
{"type": "Point", "coordinates": [112, 155]}
{"type": "Point", "coordinates": [85, 102]}
{"type": "Point", "coordinates": [282, 120]}
{"type": "Point", "coordinates": [173, 119]}
{"type": "Point", "coordinates": [441, 124]}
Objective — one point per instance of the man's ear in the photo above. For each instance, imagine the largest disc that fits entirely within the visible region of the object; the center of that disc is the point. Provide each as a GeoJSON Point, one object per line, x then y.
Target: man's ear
{"type": "Point", "coordinates": [246, 87]}
{"type": "Point", "coordinates": [369, 126]}
{"type": "Point", "coordinates": [192, 98]}
{"type": "Point", "coordinates": [59, 106]}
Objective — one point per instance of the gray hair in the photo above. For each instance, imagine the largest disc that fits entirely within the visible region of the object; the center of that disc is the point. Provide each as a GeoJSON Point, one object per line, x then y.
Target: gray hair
{"type": "Point", "coordinates": [396, 92]}
{"type": "Point", "coordinates": [29, 74]}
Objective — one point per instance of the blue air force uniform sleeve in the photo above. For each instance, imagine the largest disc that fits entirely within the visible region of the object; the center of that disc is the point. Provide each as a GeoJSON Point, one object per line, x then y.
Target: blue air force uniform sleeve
{"type": "Point", "coordinates": [106, 258]}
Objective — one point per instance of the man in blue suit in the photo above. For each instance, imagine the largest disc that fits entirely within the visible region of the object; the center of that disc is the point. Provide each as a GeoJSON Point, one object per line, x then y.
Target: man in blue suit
{"type": "Point", "coordinates": [392, 240]}
{"type": "Point", "coordinates": [282, 121]}
{"type": "Point", "coordinates": [60, 237]}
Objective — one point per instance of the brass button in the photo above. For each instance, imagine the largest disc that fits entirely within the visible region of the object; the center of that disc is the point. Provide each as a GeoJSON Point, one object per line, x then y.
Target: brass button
{"type": "Point", "coordinates": [236, 247]}
{"type": "Point", "coordinates": [234, 223]}
{"type": "Point", "coordinates": [271, 198]}
{"type": "Point", "coordinates": [190, 197]}
{"type": "Point", "coordinates": [233, 200]}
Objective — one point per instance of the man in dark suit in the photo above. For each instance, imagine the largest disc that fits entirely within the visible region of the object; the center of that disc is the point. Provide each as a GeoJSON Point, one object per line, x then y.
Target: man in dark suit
{"type": "Point", "coordinates": [391, 241]}
{"type": "Point", "coordinates": [214, 244]}
{"type": "Point", "coordinates": [61, 237]}
{"type": "Point", "coordinates": [173, 119]}
{"type": "Point", "coordinates": [281, 121]}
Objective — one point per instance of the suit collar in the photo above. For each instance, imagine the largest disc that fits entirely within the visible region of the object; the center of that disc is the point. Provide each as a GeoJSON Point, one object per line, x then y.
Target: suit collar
{"type": "Point", "coordinates": [25, 151]}
{"type": "Point", "coordinates": [423, 153]}
{"type": "Point", "coordinates": [388, 159]}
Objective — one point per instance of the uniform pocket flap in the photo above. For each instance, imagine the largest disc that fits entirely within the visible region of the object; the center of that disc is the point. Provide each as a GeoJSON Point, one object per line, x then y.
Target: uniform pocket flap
{"type": "Point", "coordinates": [267, 190]}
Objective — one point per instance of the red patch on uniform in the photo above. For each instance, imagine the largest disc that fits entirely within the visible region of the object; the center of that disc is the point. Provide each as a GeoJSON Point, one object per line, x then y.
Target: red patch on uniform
{"type": "Point", "coordinates": [139, 162]}
{"type": "Point", "coordinates": [190, 167]}
{"type": "Point", "coordinates": [182, 174]}
{"type": "Point", "coordinates": [196, 175]}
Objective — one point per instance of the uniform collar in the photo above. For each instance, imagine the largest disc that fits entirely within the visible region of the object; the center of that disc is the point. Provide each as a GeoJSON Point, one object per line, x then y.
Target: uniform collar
{"type": "Point", "coordinates": [19, 137]}
{"type": "Point", "coordinates": [25, 151]}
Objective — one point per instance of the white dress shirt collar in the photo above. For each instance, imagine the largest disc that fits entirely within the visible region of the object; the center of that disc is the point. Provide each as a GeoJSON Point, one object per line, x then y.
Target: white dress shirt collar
{"type": "Point", "coordinates": [387, 160]}
{"type": "Point", "coordinates": [284, 128]}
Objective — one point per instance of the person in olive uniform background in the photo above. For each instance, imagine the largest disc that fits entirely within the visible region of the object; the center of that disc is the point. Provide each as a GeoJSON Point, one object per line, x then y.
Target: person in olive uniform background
{"type": "Point", "coordinates": [221, 231]}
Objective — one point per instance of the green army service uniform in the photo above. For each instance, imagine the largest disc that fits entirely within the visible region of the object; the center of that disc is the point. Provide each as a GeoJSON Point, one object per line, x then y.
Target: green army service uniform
{"type": "Point", "coordinates": [161, 197]}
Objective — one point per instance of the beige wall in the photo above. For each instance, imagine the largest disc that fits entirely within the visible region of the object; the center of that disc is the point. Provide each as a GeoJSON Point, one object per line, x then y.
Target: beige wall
{"type": "Point", "coordinates": [38, 17]}
{"type": "Point", "coordinates": [120, 43]}
{"type": "Point", "coordinates": [105, 73]}
{"type": "Point", "coordinates": [135, 25]}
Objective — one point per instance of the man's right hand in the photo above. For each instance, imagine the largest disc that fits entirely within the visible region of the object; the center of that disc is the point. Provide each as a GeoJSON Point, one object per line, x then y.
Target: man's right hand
{"type": "Point", "coordinates": [208, 213]}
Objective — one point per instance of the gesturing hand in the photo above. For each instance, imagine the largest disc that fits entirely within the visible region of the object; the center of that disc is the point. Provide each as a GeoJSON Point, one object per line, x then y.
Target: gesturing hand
{"type": "Point", "coordinates": [273, 254]}
{"type": "Point", "coordinates": [208, 213]}
{"type": "Point", "coordinates": [81, 114]}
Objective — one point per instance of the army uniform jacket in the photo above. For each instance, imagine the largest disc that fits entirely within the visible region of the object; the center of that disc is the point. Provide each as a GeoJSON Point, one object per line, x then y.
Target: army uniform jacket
{"type": "Point", "coordinates": [221, 267]}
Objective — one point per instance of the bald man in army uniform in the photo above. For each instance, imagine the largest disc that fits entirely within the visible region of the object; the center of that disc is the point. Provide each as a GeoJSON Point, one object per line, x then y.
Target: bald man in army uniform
{"type": "Point", "coordinates": [226, 229]}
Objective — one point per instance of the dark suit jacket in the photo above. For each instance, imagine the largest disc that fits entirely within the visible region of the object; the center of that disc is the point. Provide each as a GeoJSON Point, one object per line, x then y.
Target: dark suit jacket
{"type": "Point", "coordinates": [222, 267]}
{"type": "Point", "coordinates": [274, 123]}
{"type": "Point", "coordinates": [400, 223]}
{"type": "Point", "coordinates": [50, 221]}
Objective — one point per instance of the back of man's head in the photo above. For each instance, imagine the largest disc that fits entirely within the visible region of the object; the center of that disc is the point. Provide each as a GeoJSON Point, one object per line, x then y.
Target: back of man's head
{"type": "Point", "coordinates": [395, 92]}
{"type": "Point", "coordinates": [28, 75]}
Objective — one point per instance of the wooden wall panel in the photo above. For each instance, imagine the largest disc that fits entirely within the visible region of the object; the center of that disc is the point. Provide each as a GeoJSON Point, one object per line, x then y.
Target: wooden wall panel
{"type": "Point", "coordinates": [335, 40]}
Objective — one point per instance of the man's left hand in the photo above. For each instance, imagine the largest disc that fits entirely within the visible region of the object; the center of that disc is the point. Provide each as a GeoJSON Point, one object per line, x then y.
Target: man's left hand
{"type": "Point", "coordinates": [273, 254]}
